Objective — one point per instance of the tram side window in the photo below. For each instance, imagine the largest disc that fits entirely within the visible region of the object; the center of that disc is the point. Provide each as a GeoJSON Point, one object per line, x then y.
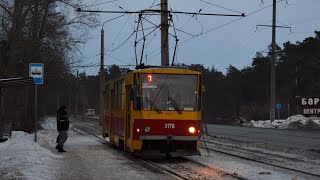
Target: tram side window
{"type": "Point", "coordinates": [107, 96]}
{"type": "Point", "coordinates": [121, 85]}
{"type": "Point", "coordinates": [136, 93]}
{"type": "Point", "coordinates": [118, 86]}
{"type": "Point", "coordinates": [115, 96]}
{"type": "Point", "coordinates": [200, 93]}
{"type": "Point", "coordinates": [118, 94]}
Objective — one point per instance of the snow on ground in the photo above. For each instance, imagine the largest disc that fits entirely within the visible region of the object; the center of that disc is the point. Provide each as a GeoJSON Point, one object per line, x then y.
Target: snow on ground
{"type": "Point", "coordinates": [294, 122]}
{"type": "Point", "coordinates": [21, 157]}
{"type": "Point", "coordinates": [86, 158]}
{"type": "Point", "coordinates": [247, 169]}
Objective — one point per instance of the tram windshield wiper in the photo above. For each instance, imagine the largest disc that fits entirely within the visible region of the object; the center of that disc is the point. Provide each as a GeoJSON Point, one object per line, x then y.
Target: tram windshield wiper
{"type": "Point", "coordinates": [154, 101]}
{"type": "Point", "coordinates": [153, 105]}
{"type": "Point", "coordinates": [174, 104]}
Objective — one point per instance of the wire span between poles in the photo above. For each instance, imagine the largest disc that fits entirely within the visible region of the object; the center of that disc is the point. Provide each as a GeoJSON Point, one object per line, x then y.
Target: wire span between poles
{"type": "Point", "coordinates": [153, 11]}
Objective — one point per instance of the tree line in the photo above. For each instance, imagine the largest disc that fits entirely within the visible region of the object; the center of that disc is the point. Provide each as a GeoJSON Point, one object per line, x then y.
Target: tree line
{"type": "Point", "coordinates": [245, 93]}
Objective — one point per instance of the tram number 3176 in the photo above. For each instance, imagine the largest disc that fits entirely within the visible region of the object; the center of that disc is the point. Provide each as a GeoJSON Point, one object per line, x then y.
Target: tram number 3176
{"type": "Point", "coordinates": [169, 125]}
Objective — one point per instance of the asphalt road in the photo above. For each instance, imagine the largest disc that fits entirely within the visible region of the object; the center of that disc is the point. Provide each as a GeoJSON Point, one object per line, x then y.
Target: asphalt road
{"type": "Point", "coordinates": [302, 139]}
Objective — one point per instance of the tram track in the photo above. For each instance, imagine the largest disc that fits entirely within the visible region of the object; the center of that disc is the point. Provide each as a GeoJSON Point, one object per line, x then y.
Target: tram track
{"type": "Point", "coordinates": [182, 168]}
{"type": "Point", "coordinates": [186, 169]}
{"type": "Point", "coordinates": [287, 163]}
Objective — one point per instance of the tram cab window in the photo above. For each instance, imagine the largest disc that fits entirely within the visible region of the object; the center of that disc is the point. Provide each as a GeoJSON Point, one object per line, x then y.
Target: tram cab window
{"type": "Point", "coordinates": [169, 92]}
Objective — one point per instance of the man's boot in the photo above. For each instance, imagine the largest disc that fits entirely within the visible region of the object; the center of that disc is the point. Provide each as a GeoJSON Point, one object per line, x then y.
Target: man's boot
{"type": "Point", "coordinates": [59, 148]}
{"type": "Point", "coordinates": [62, 150]}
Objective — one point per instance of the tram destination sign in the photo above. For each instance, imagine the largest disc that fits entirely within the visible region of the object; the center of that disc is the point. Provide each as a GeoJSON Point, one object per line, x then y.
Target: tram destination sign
{"type": "Point", "coordinates": [309, 105]}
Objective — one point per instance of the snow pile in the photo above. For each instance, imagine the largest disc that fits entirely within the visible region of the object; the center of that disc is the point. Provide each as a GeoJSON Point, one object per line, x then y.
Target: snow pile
{"type": "Point", "coordinates": [298, 121]}
{"type": "Point", "coordinates": [21, 158]}
{"type": "Point", "coordinates": [293, 122]}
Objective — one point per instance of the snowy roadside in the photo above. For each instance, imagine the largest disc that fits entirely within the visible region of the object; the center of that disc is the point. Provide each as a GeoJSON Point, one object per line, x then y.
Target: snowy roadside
{"type": "Point", "coordinates": [22, 158]}
{"type": "Point", "coordinates": [86, 158]}
{"type": "Point", "coordinates": [275, 144]}
{"type": "Point", "coordinates": [293, 122]}
{"type": "Point", "coordinates": [248, 169]}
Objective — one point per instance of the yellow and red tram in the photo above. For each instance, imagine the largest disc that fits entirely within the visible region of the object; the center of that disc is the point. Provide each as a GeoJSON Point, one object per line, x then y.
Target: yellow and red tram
{"type": "Point", "coordinates": [154, 110]}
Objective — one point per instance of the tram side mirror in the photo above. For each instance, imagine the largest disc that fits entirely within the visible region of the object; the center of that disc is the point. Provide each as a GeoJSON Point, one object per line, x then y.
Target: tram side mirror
{"type": "Point", "coordinates": [203, 88]}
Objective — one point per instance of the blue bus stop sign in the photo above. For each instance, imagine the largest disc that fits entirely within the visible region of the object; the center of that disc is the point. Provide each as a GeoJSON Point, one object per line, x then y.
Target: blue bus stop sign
{"type": "Point", "coordinates": [36, 71]}
{"type": "Point", "coordinates": [278, 106]}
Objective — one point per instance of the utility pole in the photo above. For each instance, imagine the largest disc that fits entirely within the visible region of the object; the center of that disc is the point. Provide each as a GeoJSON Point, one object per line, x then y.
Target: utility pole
{"type": "Point", "coordinates": [101, 75]}
{"type": "Point", "coordinates": [273, 62]}
{"type": "Point", "coordinates": [273, 65]}
{"type": "Point", "coordinates": [164, 34]}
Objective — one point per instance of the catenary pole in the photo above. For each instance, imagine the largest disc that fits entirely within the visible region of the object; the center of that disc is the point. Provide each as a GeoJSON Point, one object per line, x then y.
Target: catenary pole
{"type": "Point", "coordinates": [164, 34]}
{"type": "Point", "coordinates": [101, 74]}
{"type": "Point", "coordinates": [273, 62]}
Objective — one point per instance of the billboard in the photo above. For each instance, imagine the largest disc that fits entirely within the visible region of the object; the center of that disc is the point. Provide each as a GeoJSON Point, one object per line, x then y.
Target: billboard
{"type": "Point", "coordinates": [309, 105]}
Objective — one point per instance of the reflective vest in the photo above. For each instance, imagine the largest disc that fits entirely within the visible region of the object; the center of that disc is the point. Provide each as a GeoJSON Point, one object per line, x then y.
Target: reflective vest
{"type": "Point", "coordinates": [62, 118]}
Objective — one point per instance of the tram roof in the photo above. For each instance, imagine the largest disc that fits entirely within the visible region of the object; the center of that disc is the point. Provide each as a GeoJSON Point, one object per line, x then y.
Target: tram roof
{"type": "Point", "coordinates": [168, 69]}
{"type": "Point", "coordinates": [159, 70]}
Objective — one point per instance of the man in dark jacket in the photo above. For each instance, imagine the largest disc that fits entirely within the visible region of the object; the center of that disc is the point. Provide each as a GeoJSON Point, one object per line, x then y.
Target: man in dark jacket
{"type": "Point", "coordinates": [63, 127]}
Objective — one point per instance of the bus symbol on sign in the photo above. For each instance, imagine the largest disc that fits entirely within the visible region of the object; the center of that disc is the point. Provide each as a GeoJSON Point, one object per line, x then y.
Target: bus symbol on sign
{"type": "Point", "coordinates": [36, 71]}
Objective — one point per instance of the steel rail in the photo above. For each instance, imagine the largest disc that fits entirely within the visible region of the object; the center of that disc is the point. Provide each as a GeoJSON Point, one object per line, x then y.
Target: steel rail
{"type": "Point", "coordinates": [259, 161]}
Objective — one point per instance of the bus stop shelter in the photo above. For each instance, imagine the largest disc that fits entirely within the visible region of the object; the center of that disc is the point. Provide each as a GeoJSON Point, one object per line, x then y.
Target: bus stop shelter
{"type": "Point", "coordinates": [16, 82]}
{"type": "Point", "coordinates": [13, 83]}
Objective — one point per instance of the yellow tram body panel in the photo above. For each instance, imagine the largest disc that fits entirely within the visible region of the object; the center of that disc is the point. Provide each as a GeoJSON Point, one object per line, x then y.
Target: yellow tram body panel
{"type": "Point", "coordinates": [156, 109]}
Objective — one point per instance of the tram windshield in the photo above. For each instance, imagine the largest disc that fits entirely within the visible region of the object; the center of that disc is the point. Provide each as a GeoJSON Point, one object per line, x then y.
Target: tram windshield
{"type": "Point", "coordinates": [169, 92]}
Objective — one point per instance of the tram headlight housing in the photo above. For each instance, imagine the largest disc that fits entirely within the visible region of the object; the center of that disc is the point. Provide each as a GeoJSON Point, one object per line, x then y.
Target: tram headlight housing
{"type": "Point", "coordinates": [192, 130]}
{"type": "Point", "coordinates": [147, 129]}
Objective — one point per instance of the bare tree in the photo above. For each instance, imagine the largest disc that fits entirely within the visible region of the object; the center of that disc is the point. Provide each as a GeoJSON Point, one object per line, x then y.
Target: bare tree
{"type": "Point", "coordinates": [46, 31]}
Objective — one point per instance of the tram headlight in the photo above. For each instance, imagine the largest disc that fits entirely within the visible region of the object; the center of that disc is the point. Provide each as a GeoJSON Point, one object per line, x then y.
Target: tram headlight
{"type": "Point", "coordinates": [192, 130]}
{"type": "Point", "coordinates": [147, 129]}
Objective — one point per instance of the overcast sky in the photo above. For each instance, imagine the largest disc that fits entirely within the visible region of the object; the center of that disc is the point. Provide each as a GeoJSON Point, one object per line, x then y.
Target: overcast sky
{"type": "Point", "coordinates": [213, 41]}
